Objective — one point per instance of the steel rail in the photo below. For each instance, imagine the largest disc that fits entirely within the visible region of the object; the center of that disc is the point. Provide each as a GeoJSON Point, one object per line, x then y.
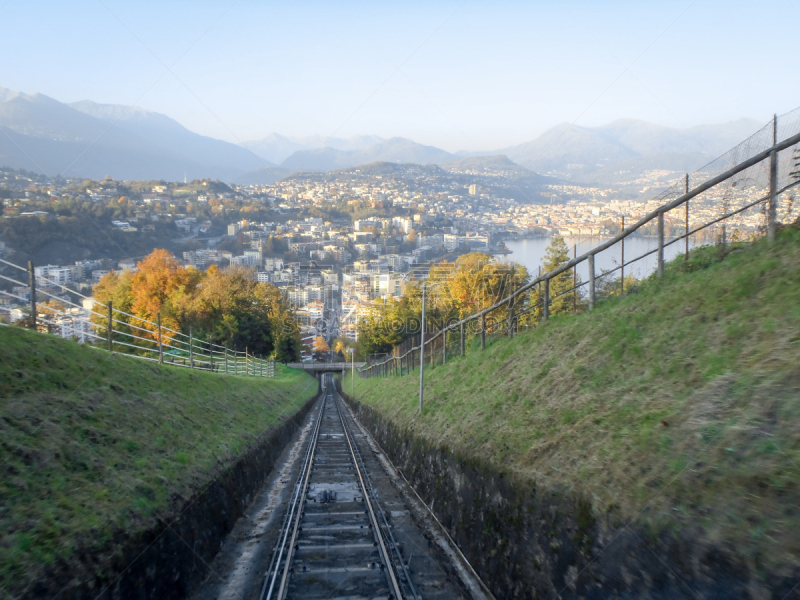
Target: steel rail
{"type": "Point", "coordinates": [294, 515]}
{"type": "Point", "coordinates": [376, 527]}
{"type": "Point", "coordinates": [387, 529]}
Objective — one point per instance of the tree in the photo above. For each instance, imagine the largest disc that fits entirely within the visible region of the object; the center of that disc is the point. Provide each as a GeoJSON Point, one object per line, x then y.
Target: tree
{"type": "Point", "coordinates": [225, 307]}
{"type": "Point", "coordinates": [320, 345]}
{"type": "Point", "coordinates": [114, 287]}
{"type": "Point", "coordinates": [342, 347]}
{"type": "Point", "coordinates": [561, 302]}
{"type": "Point", "coordinates": [455, 290]}
{"type": "Point", "coordinates": [158, 286]}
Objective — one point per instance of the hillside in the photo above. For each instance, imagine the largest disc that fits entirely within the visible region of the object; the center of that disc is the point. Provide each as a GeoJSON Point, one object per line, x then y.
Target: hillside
{"type": "Point", "coordinates": [96, 448]}
{"type": "Point", "coordinates": [674, 408]}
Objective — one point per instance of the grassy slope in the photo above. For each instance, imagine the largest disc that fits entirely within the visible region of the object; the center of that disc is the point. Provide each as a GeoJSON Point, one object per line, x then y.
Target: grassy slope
{"type": "Point", "coordinates": [91, 444]}
{"type": "Point", "coordinates": [677, 405]}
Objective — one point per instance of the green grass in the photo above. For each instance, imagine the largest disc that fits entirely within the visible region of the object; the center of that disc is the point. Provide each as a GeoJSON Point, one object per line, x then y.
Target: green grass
{"type": "Point", "coordinates": [92, 444]}
{"type": "Point", "coordinates": [676, 406]}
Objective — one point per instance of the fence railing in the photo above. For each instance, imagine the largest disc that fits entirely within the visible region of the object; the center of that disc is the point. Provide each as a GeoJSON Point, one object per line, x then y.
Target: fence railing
{"type": "Point", "coordinates": [136, 337]}
{"type": "Point", "coordinates": [757, 175]}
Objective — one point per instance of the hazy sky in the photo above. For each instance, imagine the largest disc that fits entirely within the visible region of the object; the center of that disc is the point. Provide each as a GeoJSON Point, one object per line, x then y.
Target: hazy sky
{"type": "Point", "coordinates": [460, 75]}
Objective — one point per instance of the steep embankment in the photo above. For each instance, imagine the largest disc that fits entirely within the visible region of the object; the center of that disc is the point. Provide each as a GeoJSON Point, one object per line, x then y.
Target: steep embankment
{"type": "Point", "coordinates": [102, 453]}
{"type": "Point", "coordinates": [660, 430]}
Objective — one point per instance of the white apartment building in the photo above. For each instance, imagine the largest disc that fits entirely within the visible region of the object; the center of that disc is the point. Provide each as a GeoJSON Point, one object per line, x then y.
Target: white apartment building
{"type": "Point", "coordinates": [297, 296]}
{"type": "Point", "coordinates": [404, 224]}
{"type": "Point", "coordinates": [273, 264]}
{"type": "Point", "coordinates": [432, 241]}
{"type": "Point", "coordinates": [330, 278]}
{"type": "Point", "coordinates": [53, 274]}
{"type": "Point", "coordinates": [387, 284]}
{"type": "Point", "coordinates": [246, 260]}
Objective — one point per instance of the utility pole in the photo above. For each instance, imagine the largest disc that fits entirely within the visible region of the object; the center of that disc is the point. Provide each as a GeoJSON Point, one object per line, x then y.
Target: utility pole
{"type": "Point", "coordinates": [422, 348]}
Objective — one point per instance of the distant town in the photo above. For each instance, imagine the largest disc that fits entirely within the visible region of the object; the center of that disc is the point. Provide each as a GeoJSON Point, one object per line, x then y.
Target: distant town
{"type": "Point", "coordinates": [337, 244]}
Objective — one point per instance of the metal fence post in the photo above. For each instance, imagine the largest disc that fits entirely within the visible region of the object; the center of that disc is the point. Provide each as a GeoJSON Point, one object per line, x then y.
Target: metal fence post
{"type": "Point", "coordinates": [773, 184]}
{"type": "Point", "coordinates": [546, 300]}
{"type": "Point", "coordinates": [483, 331]}
{"type": "Point", "coordinates": [661, 244]}
{"type": "Point", "coordinates": [160, 345]}
{"type": "Point", "coordinates": [575, 280]}
{"type": "Point", "coordinates": [462, 339]}
{"type": "Point", "coordinates": [622, 265]}
{"type": "Point", "coordinates": [511, 317]}
{"type": "Point", "coordinates": [110, 327]}
{"type": "Point", "coordinates": [226, 360]}
{"type": "Point", "coordinates": [592, 290]}
{"type": "Point", "coordinates": [686, 241]}
{"type": "Point", "coordinates": [444, 346]}
{"type": "Point", "coordinates": [422, 349]}
{"type": "Point", "coordinates": [32, 285]}
{"type": "Point", "coordinates": [191, 348]}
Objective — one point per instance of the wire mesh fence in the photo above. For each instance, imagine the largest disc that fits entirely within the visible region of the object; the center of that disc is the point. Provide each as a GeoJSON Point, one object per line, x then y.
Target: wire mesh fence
{"type": "Point", "coordinates": [119, 331]}
{"type": "Point", "coordinates": [745, 194]}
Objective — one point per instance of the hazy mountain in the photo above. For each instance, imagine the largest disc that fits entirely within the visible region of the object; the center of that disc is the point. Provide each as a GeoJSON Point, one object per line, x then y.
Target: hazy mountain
{"type": "Point", "coordinates": [494, 166]}
{"type": "Point", "coordinates": [93, 140]}
{"type": "Point", "coordinates": [594, 153]}
{"type": "Point", "coordinates": [277, 148]}
{"type": "Point", "coordinates": [170, 135]}
{"type": "Point", "coordinates": [263, 176]}
{"type": "Point", "coordinates": [396, 150]}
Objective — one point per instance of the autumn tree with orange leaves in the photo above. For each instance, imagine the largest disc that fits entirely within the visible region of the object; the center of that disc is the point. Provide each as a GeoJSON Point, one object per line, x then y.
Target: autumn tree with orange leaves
{"type": "Point", "coordinates": [223, 306]}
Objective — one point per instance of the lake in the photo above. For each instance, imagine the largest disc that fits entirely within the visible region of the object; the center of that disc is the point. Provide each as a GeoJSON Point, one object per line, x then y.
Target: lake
{"type": "Point", "coordinates": [530, 252]}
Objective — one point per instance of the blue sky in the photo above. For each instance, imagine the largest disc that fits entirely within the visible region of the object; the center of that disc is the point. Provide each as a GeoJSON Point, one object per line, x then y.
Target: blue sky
{"type": "Point", "coordinates": [460, 75]}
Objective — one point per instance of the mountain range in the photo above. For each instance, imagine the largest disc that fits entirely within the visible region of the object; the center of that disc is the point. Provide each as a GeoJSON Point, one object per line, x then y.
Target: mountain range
{"type": "Point", "coordinates": [626, 146]}
{"type": "Point", "coordinates": [86, 139]}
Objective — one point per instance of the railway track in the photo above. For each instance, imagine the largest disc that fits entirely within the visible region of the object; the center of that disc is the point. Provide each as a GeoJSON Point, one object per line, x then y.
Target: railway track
{"type": "Point", "coordinates": [336, 540]}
